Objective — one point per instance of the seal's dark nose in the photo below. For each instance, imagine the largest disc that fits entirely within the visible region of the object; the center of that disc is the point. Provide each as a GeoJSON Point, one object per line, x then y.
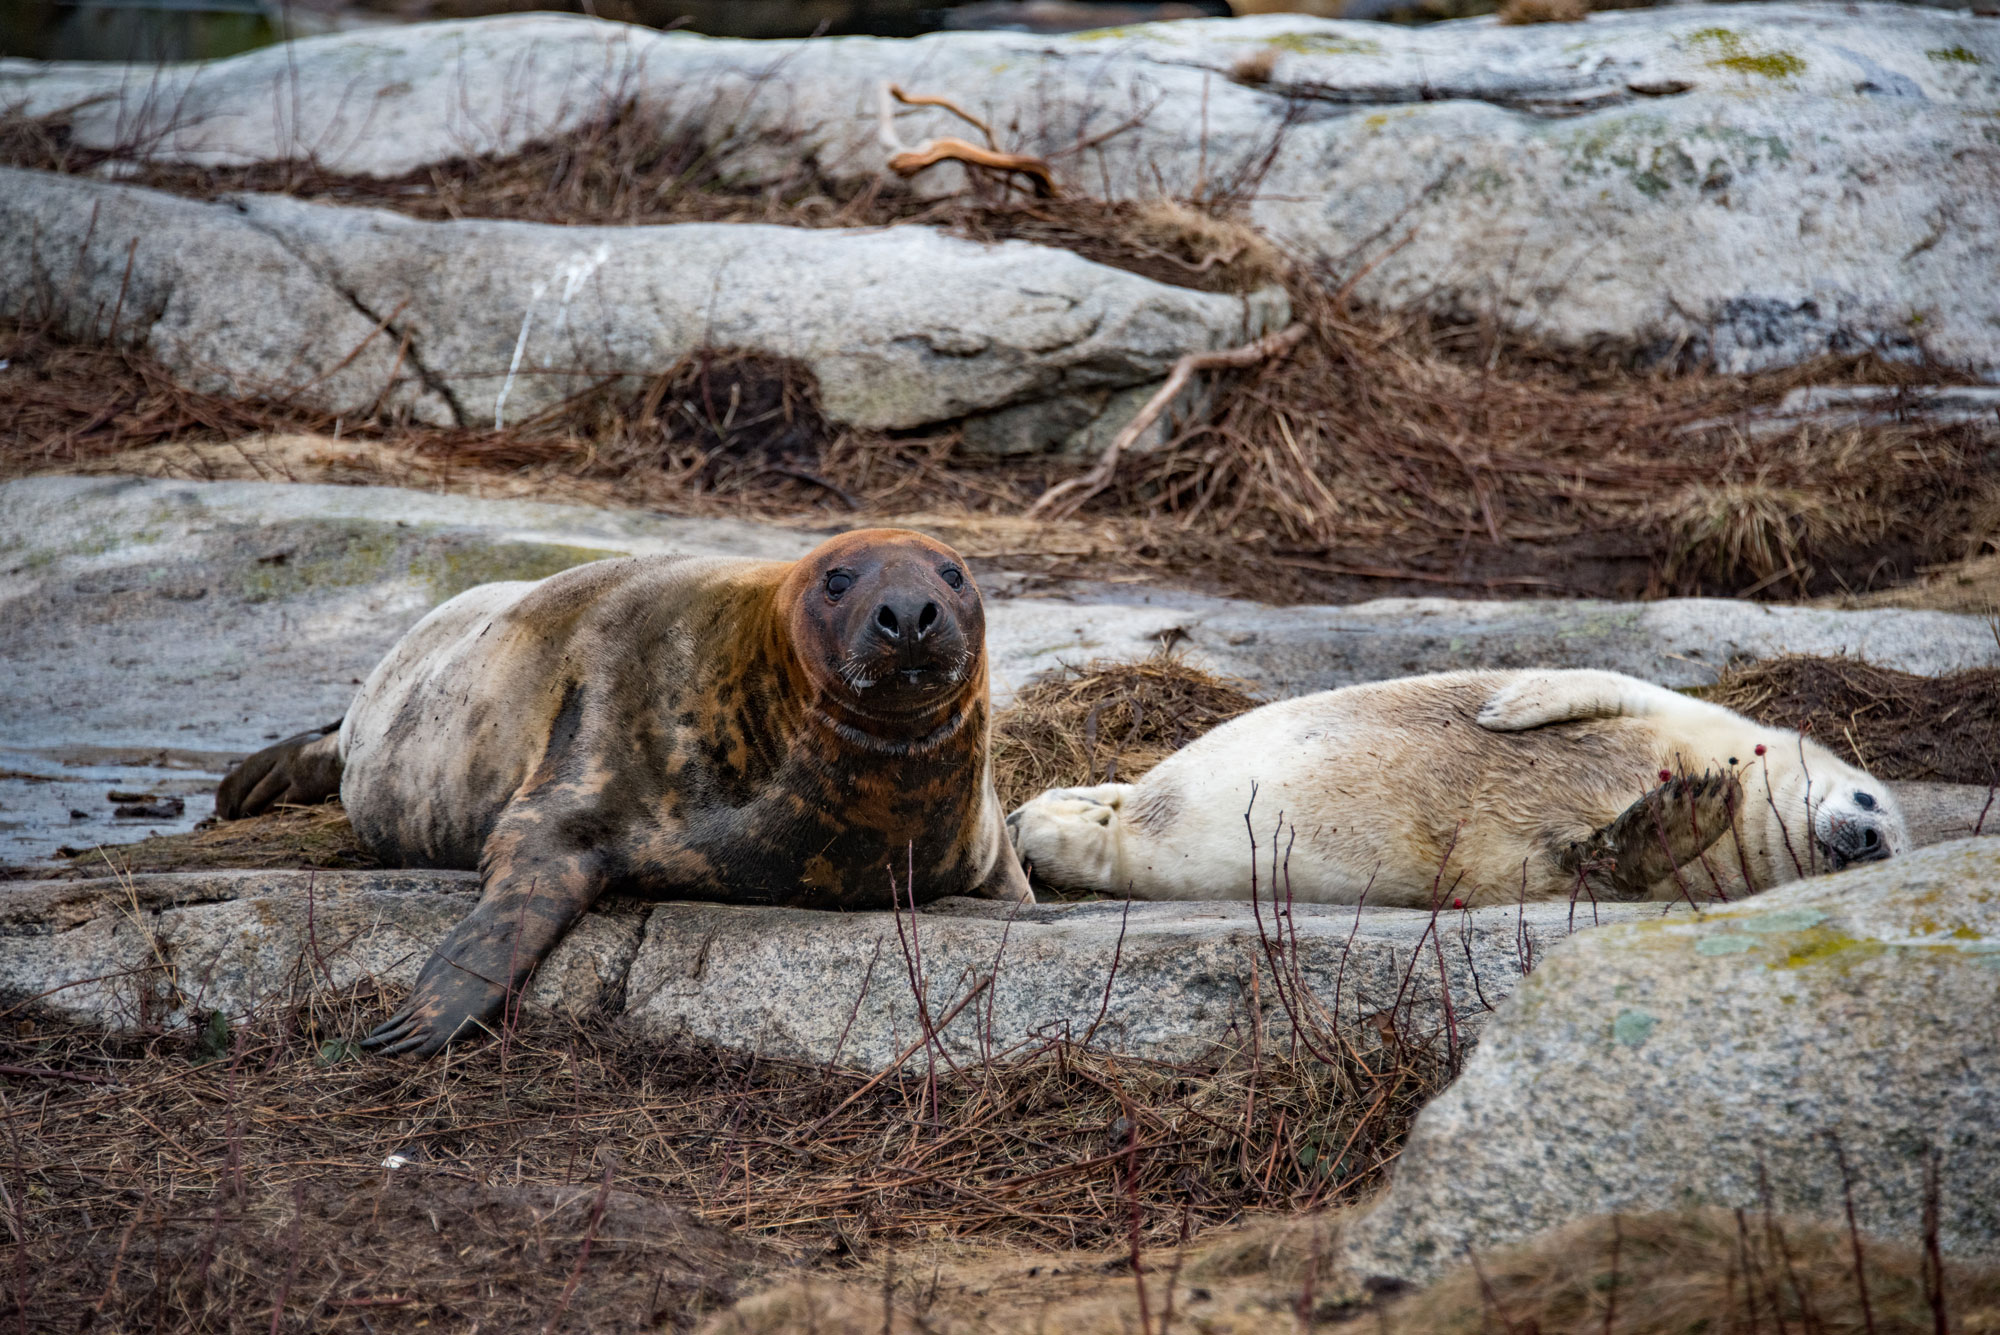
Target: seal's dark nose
{"type": "Point", "coordinates": [1854, 842]}
{"type": "Point", "coordinates": [898, 619]}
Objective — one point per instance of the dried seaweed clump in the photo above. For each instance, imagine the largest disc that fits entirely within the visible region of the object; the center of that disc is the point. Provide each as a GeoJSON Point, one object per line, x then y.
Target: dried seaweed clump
{"type": "Point", "coordinates": [1105, 722]}
{"type": "Point", "coordinates": [317, 838]}
{"type": "Point", "coordinates": [1895, 725]}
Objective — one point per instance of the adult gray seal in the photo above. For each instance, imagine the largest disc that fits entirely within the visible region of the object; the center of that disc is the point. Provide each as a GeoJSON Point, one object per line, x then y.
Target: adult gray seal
{"type": "Point", "coordinates": [753, 732]}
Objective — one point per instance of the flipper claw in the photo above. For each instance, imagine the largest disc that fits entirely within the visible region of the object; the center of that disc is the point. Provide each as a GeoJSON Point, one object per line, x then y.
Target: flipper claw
{"type": "Point", "coordinates": [1670, 827]}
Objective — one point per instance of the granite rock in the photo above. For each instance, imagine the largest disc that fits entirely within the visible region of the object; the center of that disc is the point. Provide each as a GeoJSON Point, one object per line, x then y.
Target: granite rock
{"type": "Point", "coordinates": [1171, 982]}
{"type": "Point", "coordinates": [161, 949]}
{"type": "Point", "coordinates": [1751, 185]}
{"type": "Point", "coordinates": [478, 322]}
{"type": "Point", "coordinates": [1730, 1060]}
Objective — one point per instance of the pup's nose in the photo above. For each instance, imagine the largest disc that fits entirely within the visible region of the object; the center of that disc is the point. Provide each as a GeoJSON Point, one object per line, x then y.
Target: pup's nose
{"type": "Point", "coordinates": [901, 619]}
{"type": "Point", "coordinates": [1861, 843]}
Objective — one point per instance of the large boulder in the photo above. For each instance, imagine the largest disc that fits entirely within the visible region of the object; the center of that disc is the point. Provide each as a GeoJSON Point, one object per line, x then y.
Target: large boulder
{"type": "Point", "coordinates": [1755, 184]}
{"type": "Point", "coordinates": [477, 323]}
{"type": "Point", "coordinates": [1734, 1059]}
{"type": "Point", "coordinates": [153, 630]}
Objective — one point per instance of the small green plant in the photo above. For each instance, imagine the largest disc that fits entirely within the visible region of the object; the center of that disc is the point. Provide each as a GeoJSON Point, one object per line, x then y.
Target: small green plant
{"type": "Point", "coordinates": [211, 1041]}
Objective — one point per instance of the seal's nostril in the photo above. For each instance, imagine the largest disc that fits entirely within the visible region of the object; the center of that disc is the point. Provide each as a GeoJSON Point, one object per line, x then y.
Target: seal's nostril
{"type": "Point", "coordinates": [1870, 839]}
{"type": "Point", "coordinates": [886, 619]}
{"type": "Point", "coordinates": [926, 618]}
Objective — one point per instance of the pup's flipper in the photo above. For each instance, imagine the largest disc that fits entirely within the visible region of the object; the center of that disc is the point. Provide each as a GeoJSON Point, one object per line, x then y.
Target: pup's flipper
{"type": "Point", "coordinates": [1669, 827]}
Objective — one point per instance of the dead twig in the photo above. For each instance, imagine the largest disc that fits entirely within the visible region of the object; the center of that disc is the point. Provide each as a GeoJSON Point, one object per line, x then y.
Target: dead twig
{"type": "Point", "coordinates": [40, 1073]}
{"type": "Point", "coordinates": [1064, 498]}
{"type": "Point", "coordinates": [929, 154]}
{"type": "Point", "coordinates": [929, 100]}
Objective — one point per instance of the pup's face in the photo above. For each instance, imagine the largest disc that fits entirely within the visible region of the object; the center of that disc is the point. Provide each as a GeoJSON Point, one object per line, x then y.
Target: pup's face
{"type": "Point", "coordinates": [890, 616]}
{"type": "Point", "coordinates": [1856, 819]}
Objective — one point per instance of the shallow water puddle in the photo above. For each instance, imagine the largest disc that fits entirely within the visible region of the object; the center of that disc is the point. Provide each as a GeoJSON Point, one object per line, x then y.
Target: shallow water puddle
{"type": "Point", "coordinates": [62, 797]}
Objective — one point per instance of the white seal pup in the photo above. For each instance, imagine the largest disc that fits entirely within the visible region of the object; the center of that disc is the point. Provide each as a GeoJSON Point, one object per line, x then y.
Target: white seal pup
{"type": "Point", "coordinates": [1475, 788]}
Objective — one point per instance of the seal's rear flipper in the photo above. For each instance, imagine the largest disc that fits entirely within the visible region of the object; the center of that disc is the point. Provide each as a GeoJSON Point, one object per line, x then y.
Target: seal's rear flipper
{"type": "Point", "coordinates": [300, 770]}
{"type": "Point", "coordinates": [1667, 828]}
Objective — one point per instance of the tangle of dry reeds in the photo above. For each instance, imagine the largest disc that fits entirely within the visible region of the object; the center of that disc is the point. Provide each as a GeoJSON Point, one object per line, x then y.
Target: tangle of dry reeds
{"type": "Point", "coordinates": [1386, 453]}
{"type": "Point", "coordinates": [181, 1181]}
{"type": "Point", "coordinates": [1898, 725]}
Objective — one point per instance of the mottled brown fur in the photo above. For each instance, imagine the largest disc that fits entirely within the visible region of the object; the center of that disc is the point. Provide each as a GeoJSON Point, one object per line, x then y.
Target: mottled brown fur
{"type": "Point", "coordinates": [672, 727]}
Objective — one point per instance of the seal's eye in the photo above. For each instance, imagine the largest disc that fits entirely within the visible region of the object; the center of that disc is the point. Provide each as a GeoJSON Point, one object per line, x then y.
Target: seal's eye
{"type": "Point", "coordinates": [953, 576]}
{"type": "Point", "coordinates": [838, 582]}
{"type": "Point", "coordinates": [1866, 801]}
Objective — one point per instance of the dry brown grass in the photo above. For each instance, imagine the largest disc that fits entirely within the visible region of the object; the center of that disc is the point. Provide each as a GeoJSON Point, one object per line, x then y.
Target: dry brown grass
{"type": "Point", "coordinates": [1958, 586]}
{"type": "Point", "coordinates": [62, 405]}
{"type": "Point", "coordinates": [1544, 11]}
{"type": "Point", "coordinates": [188, 1180]}
{"type": "Point", "coordinates": [1711, 1271]}
{"type": "Point", "coordinates": [1255, 66]}
{"type": "Point", "coordinates": [1896, 725]}
{"type": "Point", "coordinates": [1751, 528]}
{"type": "Point", "coordinates": [1438, 454]}
{"type": "Point", "coordinates": [1695, 1272]}
{"type": "Point", "coordinates": [295, 838]}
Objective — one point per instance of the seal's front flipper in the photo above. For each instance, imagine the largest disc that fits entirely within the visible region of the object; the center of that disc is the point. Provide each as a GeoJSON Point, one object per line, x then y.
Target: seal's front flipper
{"type": "Point", "coordinates": [451, 999]}
{"type": "Point", "coordinates": [1008, 881]}
{"type": "Point", "coordinates": [532, 896]}
{"type": "Point", "coordinates": [298, 771]}
{"type": "Point", "coordinates": [1669, 827]}
{"type": "Point", "coordinates": [1537, 698]}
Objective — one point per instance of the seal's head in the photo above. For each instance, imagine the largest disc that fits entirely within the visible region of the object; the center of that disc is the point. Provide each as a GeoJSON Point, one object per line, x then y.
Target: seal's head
{"type": "Point", "coordinates": [1815, 798]}
{"type": "Point", "coordinates": [888, 621]}
{"type": "Point", "coordinates": [1857, 820]}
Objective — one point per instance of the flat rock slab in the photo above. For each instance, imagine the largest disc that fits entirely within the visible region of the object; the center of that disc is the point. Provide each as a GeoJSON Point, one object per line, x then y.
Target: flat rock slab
{"type": "Point", "coordinates": [1172, 982]}
{"type": "Point", "coordinates": [151, 950]}
{"type": "Point", "coordinates": [1164, 981]}
{"type": "Point", "coordinates": [482, 323]}
{"type": "Point", "coordinates": [155, 630]}
{"type": "Point", "coordinates": [1718, 181]}
{"type": "Point", "coordinates": [1689, 1062]}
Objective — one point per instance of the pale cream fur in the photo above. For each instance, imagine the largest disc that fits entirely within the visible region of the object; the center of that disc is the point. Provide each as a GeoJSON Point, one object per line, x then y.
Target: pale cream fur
{"type": "Point", "coordinates": [1456, 786]}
